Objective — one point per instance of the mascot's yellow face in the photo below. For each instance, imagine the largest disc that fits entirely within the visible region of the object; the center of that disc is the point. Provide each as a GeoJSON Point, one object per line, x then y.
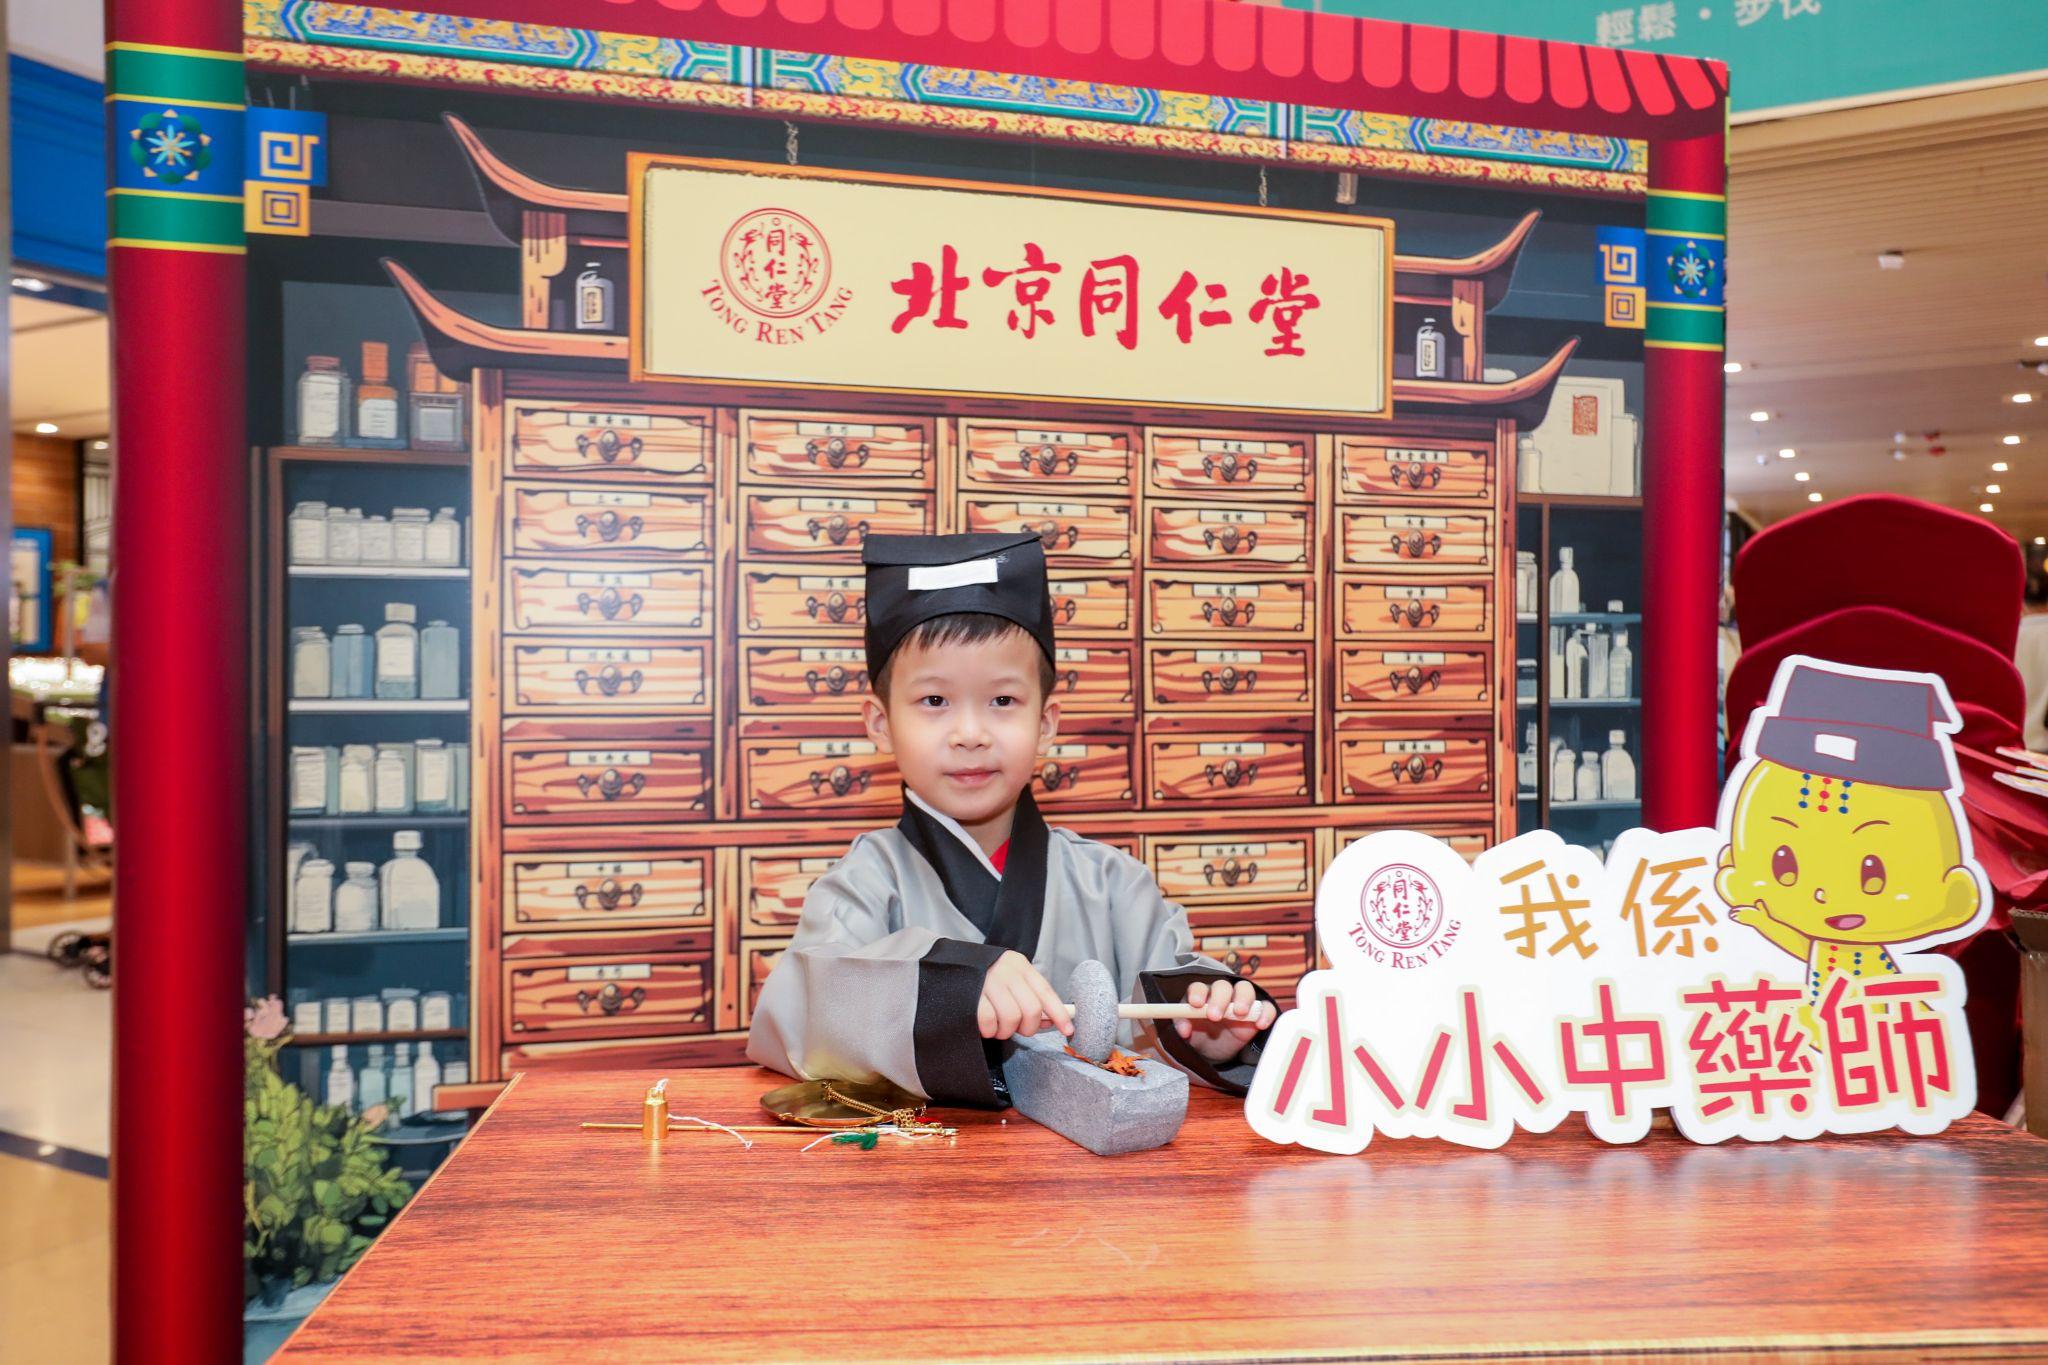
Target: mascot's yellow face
{"type": "Point", "coordinates": [1847, 864]}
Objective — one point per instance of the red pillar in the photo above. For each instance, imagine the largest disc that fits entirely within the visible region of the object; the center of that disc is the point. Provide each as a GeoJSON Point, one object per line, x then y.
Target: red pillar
{"type": "Point", "coordinates": [180, 688]}
{"type": "Point", "coordinates": [1682, 492]}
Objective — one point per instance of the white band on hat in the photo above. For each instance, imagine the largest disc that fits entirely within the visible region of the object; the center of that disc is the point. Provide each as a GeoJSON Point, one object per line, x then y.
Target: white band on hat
{"type": "Point", "coordinates": [1835, 746]}
{"type": "Point", "coordinates": [932, 577]}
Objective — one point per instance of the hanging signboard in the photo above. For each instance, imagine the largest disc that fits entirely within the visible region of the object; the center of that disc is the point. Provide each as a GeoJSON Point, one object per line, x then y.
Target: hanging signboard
{"type": "Point", "coordinates": [829, 280]}
{"type": "Point", "coordinates": [1768, 978]}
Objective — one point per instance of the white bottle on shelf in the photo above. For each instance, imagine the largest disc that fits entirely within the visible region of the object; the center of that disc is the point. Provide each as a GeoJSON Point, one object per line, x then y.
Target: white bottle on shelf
{"type": "Point", "coordinates": [1525, 583]}
{"type": "Point", "coordinates": [401, 1081]}
{"type": "Point", "coordinates": [1562, 780]}
{"type": "Point", "coordinates": [1564, 584]}
{"type": "Point", "coordinates": [355, 902]}
{"type": "Point", "coordinates": [356, 791]}
{"type": "Point", "coordinates": [1525, 763]}
{"type": "Point", "coordinates": [444, 540]}
{"type": "Point", "coordinates": [341, 1082]}
{"type": "Point", "coordinates": [440, 662]}
{"type": "Point", "coordinates": [1621, 667]}
{"type": "Point", "coordinates": [1596, 662]}
{"type": "Point", "coordinates": [1556, 652]}
{"type": "Point", "coordinates": [1617, 769]}
{"type": "Point", "coordinates": [398, 654]}
{"type": "Point", "coordinates": [313, 897]}
{"type": "Point", "coordinates": [1430, 361]}
{"type": "Point", "coordinates": [412, 893]}
{"type": "Point", "coordinates": [1589, 776]}
{"type": "Point", "coordinates": [425, 1076]}
{"type": "Point", "coordinates": [1575, 666]}
{"type": "Point", "coordinates": [373, 1082]}
{"type": "Point", "coordinates": [306, 533]}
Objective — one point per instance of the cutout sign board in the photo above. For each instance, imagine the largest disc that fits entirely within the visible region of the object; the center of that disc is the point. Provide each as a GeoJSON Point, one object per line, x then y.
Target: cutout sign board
{"type": "Point", "coordinates": [816, 279]}
{"type": "Point", "coordinates": [1763, 979]}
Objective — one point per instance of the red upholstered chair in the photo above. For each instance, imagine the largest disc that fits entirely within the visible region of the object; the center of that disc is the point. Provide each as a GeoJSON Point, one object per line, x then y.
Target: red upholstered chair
{"type": "Point", "coordinates": [1882, 550]}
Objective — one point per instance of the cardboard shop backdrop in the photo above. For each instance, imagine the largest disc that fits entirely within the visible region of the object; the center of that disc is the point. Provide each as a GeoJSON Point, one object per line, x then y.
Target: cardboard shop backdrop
{"type": "Point", "coordinates": [1456, 138]}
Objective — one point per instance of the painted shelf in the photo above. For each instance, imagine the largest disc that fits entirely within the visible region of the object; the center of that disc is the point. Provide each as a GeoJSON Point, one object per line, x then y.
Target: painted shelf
{"type": "Point", "coordinates": [437, 1035]}
{"type": "Point", "coordinates": [371, 571]}
{"type": "Point", "coordinates": [378, 821]}
{"type": "Point", "coordinates": [369, 706]}
{"type": "Point", "coordinates": [379, 936]}
{"type": "Point", "coordinates": [1592, 702]}
{"type": "Point", "coordinates": [1557, 806]}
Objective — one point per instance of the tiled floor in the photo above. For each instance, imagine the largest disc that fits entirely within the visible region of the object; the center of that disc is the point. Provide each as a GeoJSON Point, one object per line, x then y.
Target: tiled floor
{"type": "Point", "coordinates": [56, 1036]}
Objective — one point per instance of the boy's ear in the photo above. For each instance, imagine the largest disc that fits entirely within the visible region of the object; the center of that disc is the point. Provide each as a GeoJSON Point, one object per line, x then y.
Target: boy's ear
{"type": "Point", "coordinates": [875, 717]}
{"type": "Point", "coordinates": [1048, 722]}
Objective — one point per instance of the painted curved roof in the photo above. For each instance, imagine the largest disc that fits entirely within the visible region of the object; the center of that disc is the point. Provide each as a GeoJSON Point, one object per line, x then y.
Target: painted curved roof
{"type": "Point", "coordinates": [1220, 47]}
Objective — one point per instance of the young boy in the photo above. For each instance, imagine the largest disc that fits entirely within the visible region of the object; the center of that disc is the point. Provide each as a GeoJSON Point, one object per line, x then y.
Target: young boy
{"type": "Point", "coordinates": [933, 941]}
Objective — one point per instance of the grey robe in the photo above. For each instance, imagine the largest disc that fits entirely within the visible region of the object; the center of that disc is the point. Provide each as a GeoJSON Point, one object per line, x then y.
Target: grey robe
{"type": "Point", "coordinates": [883, 965]}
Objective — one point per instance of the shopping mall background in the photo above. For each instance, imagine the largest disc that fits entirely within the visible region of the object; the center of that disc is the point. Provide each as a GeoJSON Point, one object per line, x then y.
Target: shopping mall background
{"type": "Point", "coordinates": [1888, 331]}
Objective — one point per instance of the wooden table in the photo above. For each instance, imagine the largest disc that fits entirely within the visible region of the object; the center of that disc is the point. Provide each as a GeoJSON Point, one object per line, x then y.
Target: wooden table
{"type": "Point", "coordinates": [540, 1241]}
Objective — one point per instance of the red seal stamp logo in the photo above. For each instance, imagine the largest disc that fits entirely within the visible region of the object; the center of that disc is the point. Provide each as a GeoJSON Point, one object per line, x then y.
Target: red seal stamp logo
{"type": "Point", "coordinates": [1401, 906]}
{"type": "Point", "coordinates": [776, 263]}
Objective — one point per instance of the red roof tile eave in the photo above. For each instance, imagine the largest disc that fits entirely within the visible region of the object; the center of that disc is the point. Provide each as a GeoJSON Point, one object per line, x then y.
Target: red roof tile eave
{"type": "Point", "coordinates": [1220, 47]}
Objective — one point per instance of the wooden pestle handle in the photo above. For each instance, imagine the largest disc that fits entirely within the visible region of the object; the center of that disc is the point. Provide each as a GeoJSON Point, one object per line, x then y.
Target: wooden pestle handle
{"type": "Point", "coordinates": [1177, 1011]}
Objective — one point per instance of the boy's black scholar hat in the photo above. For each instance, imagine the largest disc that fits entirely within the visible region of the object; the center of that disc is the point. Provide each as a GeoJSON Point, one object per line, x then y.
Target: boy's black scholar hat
{"type": "Point", "coordinates": [913, 579]}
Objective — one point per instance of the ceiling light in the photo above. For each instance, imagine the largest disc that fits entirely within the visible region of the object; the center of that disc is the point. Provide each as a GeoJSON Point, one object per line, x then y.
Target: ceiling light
{"type": "Point", "coordinates": [1999, 467]}
{"type": "Point", "coordinates": [1786, 452]}
{"type": "Point", "coordinates": [2023, 398]}
{"type": "Point", "coordinates": [2010, 440]}
{"type": "Point", "coordinates": [1801, 477]}
{"type": "Point", "coordinates": [1813, 497]}
{"type": "Point", "coordinates": [1891, 260]}
{"type": "Point", "coordinates": [46, 428]}
{"type": "Point", "coordinates": [99, 445]}
{"type": "Point", "coordinates": [1993, 488]}
{"type": "Point", "coordinates": [31, 285]}
{"type": "Point", "coordinates": [1759, 416]}
{"type": "Point", "coordinates": [2041, 341]}
{"type": "Point", "coordinates": [1731, 367]}
{"type": "Point", "coordinates": [2041, 540]}
{"type": "Point", "coordinates": [1985, 507]}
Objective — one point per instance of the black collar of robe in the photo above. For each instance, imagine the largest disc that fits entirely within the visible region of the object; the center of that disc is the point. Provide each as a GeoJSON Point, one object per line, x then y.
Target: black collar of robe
{"type": "Point", "coordinates": [1008, 910]}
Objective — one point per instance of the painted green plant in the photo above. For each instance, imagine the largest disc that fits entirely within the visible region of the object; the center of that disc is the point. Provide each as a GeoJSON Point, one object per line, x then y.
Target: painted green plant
{"type": "Point", "coordinates": [316, 1184]}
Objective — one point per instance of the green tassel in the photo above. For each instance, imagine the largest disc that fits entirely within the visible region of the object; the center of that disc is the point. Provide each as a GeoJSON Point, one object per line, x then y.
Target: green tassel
{"type": "Point", "coordinates": [865, 1139]}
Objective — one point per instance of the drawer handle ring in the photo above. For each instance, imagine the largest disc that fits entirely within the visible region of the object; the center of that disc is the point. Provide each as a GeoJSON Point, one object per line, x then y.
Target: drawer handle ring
{"type": "Point", "coordinates": [836, 452]}
{"type": "Point", "coordinates": [1415, 681]}
{"type": "Point", "coordinates": [1242, 966]}
{"type": "Point", "coordinates": [1231, 538]}
{"type": "Point", "coordinates": [1231, 872]}
{"type": "Point", "coordinates": [1230, 679]}
{"type": "Point", "coordinates": [1045, 460]}
{"type": "Point", "coordinates": [610, 681]}
{"type": "Point", "coordinates": [1055, 776]}
{"type": "Point", "coordinates": [608, 446]}
{"type": "Point", "coordinates": [838, 608]}
{"type": "Point", "coordinates": [608, 894]}
{"type": "Point", "coordinates": [1416, 475]}
{"type": "Point", "coordinates": [1417, 769]}
{"type": "Point", "coordinates": [1051, 533]}
{"type": "Point", "coordinates": [1063, 609]}
{"type": "Point", "coordinates": [1414, 613]}
{"type": "Point", "coordinates": [1231, 772]}
{"type": "Point", "coordinates": [1416, 545]}
{"type": "Point", "coordinates": [609, 526]}
{"type": "Point", "coordinates": [1069, 680]}
{"type": "Point", "coordinates": [837, 528]}
{"type": "Point", "coordinates": [612, 784]}
{"type": "Point", "coordinates": [1229, 467]}
{"type": "Point", "coordinates": [610, 999]}
{"type": "Point", "coordinates": [1229, 611]}
{"type": "Point", "coordinates": [842, 780]}
{"type": "Point", "coordinates": [837, 679]}
{"type": "Point", "coordinates": [610, 603]}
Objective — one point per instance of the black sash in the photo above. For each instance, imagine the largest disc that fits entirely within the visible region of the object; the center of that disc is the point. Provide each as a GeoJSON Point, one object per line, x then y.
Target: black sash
{"type": "Point", "coordinates": [1008, 911]}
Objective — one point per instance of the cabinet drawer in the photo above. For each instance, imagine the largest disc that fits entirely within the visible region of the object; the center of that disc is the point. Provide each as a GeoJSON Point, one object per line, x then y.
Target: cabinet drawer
{"type": "Point", "coordinates": [1086, 772]}
{"type": "Point", "coordinates": [817, 679]}
{"type": "Point", "coordinates": [1091, 601]}
{"type": "Point", "coordinates": [817, 776]}
{"type": "Point", "coordinates": [1379, 538]}
{"type": "Point", "coordinates": [595, 597]}
{"type": "Point", "coordinates": [1428, 470]}
{"type": "Point", "coordinates": [608, 891]}
{"type": "Point", "coordinates": [1229, 464]}
{"type": "Point", "coordinates": [822, 448]}
{"type": "Point", "coordinates": [774, 882]}
{"type": "Point", "coordinates": [1215, 536]}
{"type": "Point", "coordinates": [1246, 678]}
{"type": "Point", "coordinates": [795, 600]}
{"type": "Point", "coordinates": [1375, 675]}
{"type": "Point", "coordinates": [562, 783]}
{"type": "Point", "coordinates": [795, 524]}
{"type": "Point", "coordinates": [1256, 867]}
{"type": "Point", "coordinates": [1435, 758]}
{"type": "Point", "coordinates": [1394, 605]}
{"type": "Point", "coordinates": [1226, 604]}
{"type": "Point", "coordinates": [761, 960]}
{"type": "Point", "coordinates": [634, 442]}
{"type": "Point", "coordinates": [1469, 838]}
{"type": "Point", "coordinates": [1096, 679]}
{"type": "Point", "coordinates": [1197, 770]}
{"type": "Point", "coordinates": [616, 523]}
{"type": "Point", "coordinates": [594, 679]}
{"type": "Point", "coordinates": [1072, 532]}
{"type": "Point", "coordinates": [1274, 958]}
{"type": "Point", "coordinates": [609, 997]}
{"type": "Point", "coordinates": [1000, 455]}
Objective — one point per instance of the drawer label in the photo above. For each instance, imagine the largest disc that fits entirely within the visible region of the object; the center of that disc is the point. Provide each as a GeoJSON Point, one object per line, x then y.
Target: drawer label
{"type": "Point", "coordinates": [1412, 656]}
{"type": "Point", "coordinates": [1070, 656]}
{"type": "Point", "coordinates": [609, 758]}
{"type": "Point", "coordinates": [836, 583]}
{"type": "Point", "coordinates": [841, 655]}
{"type": "Point", "coordinates": [1415, 746]}
{"type": "Point", "coordinates": [611, 580]}
{"type": "Point", "coordinates": [1419, 456]}
{"type": "Point", "coordinates": [1219, 446]}
{"type": "Point", "coordinates": [854, 429]}
{"type": "Point", "coordinates": [837, 505]}
{"type": "Point", "coordinates": [1052, 438]}
{"type": "Point", "coordinates": [588, 499]}
{"type": "Point", "coordinates": [1223, 943]}
{"type": "Point", "coordinates": [836, 748]}
{"type": "Point", "coordinates": [1054, 509]}
{"type": "Point", "coordinates": [1230, 850]}
{"type": "Point", "coordinates": [1233, 517]}
{"type": "Point", "coordinates": [1074, 587]}
{"type": "Point", "coordinates": [1224, 589]}
{"type": "Point", "coordinates": [1417, 594]}
{"type": "Point", "coordinates": [1229, 656]}
{"type": "Point", "coordinates": [1409, 522]}
{"type": "Point", "coordinates": [614, 971]}
{"type": "Point", "coordinates": [608, 869]}
{"type": "Point", "coordinates": [625, 421]}
{"type": "Point", "coordinates": [1234, 749]}
{"type": "Point", "coordinates": [608, 656]}
{"type": "Point", "coordinates": [1066, 751]}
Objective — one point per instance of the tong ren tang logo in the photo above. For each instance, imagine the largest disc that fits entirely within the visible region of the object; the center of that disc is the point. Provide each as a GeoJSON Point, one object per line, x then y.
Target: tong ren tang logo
{"type": "Point", "coordinates": [774, 280]}
{"type": "Point", "coordinates": [1402, 919]}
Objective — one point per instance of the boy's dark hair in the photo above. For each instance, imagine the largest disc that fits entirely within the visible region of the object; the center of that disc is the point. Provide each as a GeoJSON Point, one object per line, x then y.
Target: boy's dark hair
{"type": "Point", "coordinates": [961, 628]}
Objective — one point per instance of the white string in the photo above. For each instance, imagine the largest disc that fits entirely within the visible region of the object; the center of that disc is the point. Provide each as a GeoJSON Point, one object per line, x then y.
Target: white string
{"type": "Point", "coordinates": [745, 1142]}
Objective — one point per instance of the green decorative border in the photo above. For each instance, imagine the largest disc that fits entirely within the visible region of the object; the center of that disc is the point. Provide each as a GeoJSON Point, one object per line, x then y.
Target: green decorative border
{"type": "Point", "coordinates": [176, 117]}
